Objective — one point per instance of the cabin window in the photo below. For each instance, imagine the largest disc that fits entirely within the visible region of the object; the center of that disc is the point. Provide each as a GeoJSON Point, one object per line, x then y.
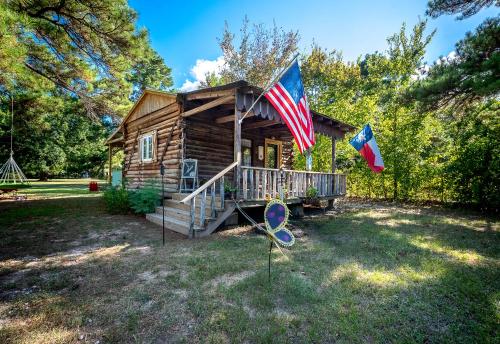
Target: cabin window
{"type": "Point", "coordinates": [147, 147]}
{"type": "Point", "coordinates": [246, 152]}
{"type": "Point", "coordinates": [272, 152]}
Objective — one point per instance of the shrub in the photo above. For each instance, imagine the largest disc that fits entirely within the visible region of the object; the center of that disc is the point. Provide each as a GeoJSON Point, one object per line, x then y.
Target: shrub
{"type": "Point", "coordinates": [311, 192]}
{"type": "Point", "coordinates": [144, 200]}
{"type": "Point", "coordinates": [116, 200]}
{"type": "Point", "coordinates": [229, 189]}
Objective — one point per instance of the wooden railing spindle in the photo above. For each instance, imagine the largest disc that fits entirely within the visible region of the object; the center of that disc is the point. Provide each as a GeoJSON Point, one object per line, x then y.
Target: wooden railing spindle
{"type": "Point", "coordinates": [221, 190]}
{"type": "Point", "coordinates": [212, 201]}
{"type": "Point", "coordinates": [257, 184]}
{"type": "Point", "coordinates": [264, 184]}
{"type": "Point", "coordinates": [244, 186]}
{"type": "Point", "coordinates": [252, 187]}
{"type": "Point", "coordinates": [202, 207]}
{"type": "Point", "coordinates": [192, 210]}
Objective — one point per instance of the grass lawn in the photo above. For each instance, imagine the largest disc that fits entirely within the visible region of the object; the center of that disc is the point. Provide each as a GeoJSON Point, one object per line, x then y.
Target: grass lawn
{"type": "Point", "coordinates": [59, 188]}
{"type": "Point", "coordinates": [69, 272]}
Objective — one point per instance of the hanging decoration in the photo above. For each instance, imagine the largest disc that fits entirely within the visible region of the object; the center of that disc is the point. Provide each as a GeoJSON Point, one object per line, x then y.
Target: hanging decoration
{"type": "Point", "coordinates": [276, 217]}
{"type": "Point", "coordinates": [11, 175]}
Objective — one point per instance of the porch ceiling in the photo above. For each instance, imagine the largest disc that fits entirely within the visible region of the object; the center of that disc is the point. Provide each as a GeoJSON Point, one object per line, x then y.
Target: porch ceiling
{"type": "Point", "coordinates": [263, 109]}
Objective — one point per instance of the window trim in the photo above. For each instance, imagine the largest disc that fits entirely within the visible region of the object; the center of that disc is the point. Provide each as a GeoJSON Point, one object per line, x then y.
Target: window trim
{"type": "Point", "coordinates": [278, 143]}
{"type": "Point", "coordinates": [247, 144]}
{"type": "Point", "coordinates": [142, 139]}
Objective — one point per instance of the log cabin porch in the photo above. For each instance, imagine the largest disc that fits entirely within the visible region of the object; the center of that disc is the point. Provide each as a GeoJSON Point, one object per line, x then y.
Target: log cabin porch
{"type": "Point", "coordinates": [254, 156]}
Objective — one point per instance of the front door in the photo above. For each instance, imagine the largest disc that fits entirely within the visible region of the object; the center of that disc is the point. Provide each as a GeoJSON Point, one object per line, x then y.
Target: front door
{"type": "Point", "coordinates": [273, 153]}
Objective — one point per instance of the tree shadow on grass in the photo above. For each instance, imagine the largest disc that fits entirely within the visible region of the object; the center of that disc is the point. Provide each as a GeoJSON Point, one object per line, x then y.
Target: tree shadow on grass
{"type": "Point", "coordinates": [357, 278]}
{"type": "Point", "coordinates": [67, 267]}
{"type": "Point", "coordinates": [50, 226]}
{"type": "Point", "coordinates": [375, 230]}
{"type": "Point", "coordinates": [410, 278]}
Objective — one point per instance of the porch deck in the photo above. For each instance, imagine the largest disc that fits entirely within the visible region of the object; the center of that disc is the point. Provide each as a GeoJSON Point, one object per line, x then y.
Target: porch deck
{"type": "Point", "coordinates": [201, 212]}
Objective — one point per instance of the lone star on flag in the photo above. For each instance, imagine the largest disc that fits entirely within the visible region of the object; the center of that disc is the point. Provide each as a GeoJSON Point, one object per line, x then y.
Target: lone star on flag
{"type": "Point", "coordinates": [366, 145]}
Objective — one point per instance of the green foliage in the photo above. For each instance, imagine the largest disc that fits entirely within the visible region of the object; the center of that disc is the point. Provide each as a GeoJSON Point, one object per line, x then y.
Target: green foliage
{"type": "Point", "coordinates": [438, 135]}
{"type": "Point", "coordinates": [470, 78]}
{"type": "Point", "coordinates": [145, 199]}
{"type": "Point", "coordinates": [260, 54]}
{"type": "Point", "coordinates": [52, 136]}
{"type": "Point", "coordinates": [473, 172]}
{"type": "Point", "coordinates": [116, 200]}
{"type": "Point", "coordinates": [368, 92]}
{"type": "Point", "coordinates": [91, 50]}
{"type": "Point", "coordinates": [461, 95]}
{"type": "Point", "coordinates": [311, 192]}
{"type": "Point", "coordinates": [466, 8]}
{"type": "Point", "coordinates": [62, 61]}
{"type": "Point", "coordinates": [229, 188]}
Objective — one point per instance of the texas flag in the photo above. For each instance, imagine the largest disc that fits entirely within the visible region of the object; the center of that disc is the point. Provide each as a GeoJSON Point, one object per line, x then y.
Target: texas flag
{"type": "Point", "coordinates": [366, 145]}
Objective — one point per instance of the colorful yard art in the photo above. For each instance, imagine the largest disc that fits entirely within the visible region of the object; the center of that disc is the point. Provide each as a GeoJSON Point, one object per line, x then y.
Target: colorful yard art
{"type": "Point", "coordinates": [276, 217]}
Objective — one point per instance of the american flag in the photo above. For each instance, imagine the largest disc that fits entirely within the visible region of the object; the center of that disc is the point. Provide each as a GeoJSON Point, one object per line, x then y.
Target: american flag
{"type": "Point", "coordinates": [289, 99]}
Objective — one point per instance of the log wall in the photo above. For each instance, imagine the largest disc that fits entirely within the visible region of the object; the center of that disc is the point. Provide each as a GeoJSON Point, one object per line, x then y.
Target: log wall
{"type": "Point", "coordinates": [213, 146]}
{"type": "Point", "coordinates": [160, 117]}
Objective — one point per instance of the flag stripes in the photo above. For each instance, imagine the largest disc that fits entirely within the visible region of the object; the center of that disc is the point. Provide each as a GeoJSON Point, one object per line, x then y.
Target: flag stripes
{"type": "Point", "coordinates": [296, 116]}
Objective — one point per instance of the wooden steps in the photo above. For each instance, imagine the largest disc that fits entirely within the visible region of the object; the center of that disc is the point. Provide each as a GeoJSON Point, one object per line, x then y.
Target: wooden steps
{"type": "Point", "coordinates": [178, 215]}
{"type": "Point", "coordinates": [175, 225]}
{"type": "Point", "coordinates": [181, 214]}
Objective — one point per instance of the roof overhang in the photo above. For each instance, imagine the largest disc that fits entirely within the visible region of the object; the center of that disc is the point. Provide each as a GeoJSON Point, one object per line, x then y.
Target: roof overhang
{"type": "Point", "coordinates": [322, 123]}
{"type": "Point", "coordinates": [114, 137]}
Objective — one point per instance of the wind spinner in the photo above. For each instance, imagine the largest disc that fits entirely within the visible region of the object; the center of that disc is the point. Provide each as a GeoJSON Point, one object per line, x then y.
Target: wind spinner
{"type": "Point", "coordinates": [276, 217]}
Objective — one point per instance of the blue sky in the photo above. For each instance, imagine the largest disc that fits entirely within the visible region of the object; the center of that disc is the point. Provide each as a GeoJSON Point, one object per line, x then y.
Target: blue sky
{"type": "Point", "coordinates": [186, 31]}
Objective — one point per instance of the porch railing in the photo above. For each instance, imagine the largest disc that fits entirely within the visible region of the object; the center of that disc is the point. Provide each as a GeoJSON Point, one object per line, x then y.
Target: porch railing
{"type": "Point", "coordinates": [257, 182]}
{"type": "Point", "coordinates": [216, 185]}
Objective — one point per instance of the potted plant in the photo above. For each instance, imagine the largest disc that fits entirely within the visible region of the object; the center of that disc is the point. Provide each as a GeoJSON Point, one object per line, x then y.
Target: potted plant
{"type": "Point", "coordinates": [312, 196]}
{"type": "Point", "coordinates": [229, 191]}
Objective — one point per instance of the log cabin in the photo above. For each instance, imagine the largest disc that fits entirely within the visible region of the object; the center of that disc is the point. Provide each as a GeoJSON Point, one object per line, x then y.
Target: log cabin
{"type": "Point", "coordinates": [203, 127]}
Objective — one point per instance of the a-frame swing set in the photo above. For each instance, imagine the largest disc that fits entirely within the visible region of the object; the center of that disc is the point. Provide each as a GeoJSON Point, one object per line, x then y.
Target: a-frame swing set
{"type": "Point", "coordinates": [11, 175]}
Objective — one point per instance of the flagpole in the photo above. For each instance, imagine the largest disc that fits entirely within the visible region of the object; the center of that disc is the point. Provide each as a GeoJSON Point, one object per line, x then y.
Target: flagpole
{"type": "Point", "coordinates": [269, 86]}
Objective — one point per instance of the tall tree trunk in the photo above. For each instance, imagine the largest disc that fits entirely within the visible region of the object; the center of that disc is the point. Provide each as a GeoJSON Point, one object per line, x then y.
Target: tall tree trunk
{"type": "Point", "coordinates": [43, 176]}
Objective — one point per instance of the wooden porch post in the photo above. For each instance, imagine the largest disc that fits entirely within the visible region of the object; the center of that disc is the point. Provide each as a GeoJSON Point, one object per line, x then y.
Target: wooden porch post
{"type": "Point", "coordinates": [331, 202]}
{"type": "Point", "coordinates": [109, 163]}
{"type": "Point", "coordinates": [334, 165]}
{"type": "Point", "coordinates": [237, 142]}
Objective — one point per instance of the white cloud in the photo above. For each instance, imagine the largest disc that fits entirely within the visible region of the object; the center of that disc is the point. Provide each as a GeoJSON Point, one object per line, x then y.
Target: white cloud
{"type": "Point", "coordinates": [452, 56]}
{"type": "Point", "coordinates": [423, 71]}
{"type": "Point", "coordinates": [199, 72]}
{"type": "Point", "coordinates": [189, 85]}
